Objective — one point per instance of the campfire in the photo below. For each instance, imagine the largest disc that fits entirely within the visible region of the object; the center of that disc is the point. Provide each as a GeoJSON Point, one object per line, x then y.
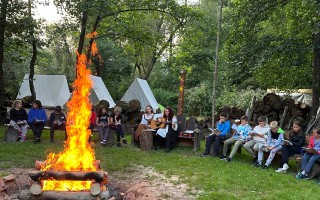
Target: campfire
{"type": "Point", "coordinates": [73, 173]}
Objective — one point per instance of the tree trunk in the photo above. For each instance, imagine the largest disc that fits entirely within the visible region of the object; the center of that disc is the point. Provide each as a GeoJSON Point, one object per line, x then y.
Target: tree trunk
{"type": "Point", "coordinates": [316, 68]}
{"type": "Point", "coordinates": [97, 65]}
{"type": "Point", "coordinates": [82, 34]}
{"type": "Point", "coordinates": [216, 63]}
{"type": "Point", "coordinates": [34, 55]}
{"type": "Point", "coordinates": [3, 24]}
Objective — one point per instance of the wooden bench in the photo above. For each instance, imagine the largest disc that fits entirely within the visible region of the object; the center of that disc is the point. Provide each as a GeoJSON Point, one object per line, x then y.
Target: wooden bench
{"type": "Point", "coordinates": [188, 133]}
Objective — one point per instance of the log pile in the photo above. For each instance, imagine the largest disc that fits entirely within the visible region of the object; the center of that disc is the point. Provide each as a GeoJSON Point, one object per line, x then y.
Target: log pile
{"type": "Point", "coordinates": [281, 110]}
{"type": "Point", "coordinates": [271, 106]}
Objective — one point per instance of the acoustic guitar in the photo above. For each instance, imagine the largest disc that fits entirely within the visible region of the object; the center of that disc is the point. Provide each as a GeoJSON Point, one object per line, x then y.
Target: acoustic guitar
{"type": "Point", "coordinates": [155, 124]}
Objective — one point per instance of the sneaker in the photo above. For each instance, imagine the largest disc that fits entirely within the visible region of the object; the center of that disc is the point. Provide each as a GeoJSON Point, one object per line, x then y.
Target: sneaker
{"type": "Point", "coordinates": [103, 142]}
{"type": "Point", "coordinates": [257, 165]}
{"type": "Point", "coordinates": [281, 170]}
{"type": "Point", "coordinates": [265, 167]}
{"type": "Point", "coordinates": [124, 141]}
{"type": "Point", "coordinates": [118, 144]}
{"type": "Point", "coordinates": [22, 140]}
{"type": "Point", "coordinates": [228, 159]}
{"type": "Point", "coordinates": [285, 166]}
{"type": "Point", "coordinates": [204, 154]}
{"type": "Point", "coordinates": [167, 150]}
{"type": "Point", "coordinates": [302, 176]}
{"type": "Point", "coordinates": [222, 157]}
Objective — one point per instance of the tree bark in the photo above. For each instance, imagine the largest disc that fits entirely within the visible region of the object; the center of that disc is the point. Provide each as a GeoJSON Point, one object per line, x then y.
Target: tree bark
{"type": "Point", "coordinates": [34, 54]}
{"type": "Point", "coordinates": [316, 68]}
{"type": "Point", "coordinates": [82, 35]}
{"type": "Point", "coordinates": [216, 63]}
{"type": "Point", "coordinates": [3, 24]}
{"type": "Point", "coordinates": [97, 64]}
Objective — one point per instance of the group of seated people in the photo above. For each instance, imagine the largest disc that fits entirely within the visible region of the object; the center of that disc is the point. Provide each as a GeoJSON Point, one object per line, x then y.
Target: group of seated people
{"type": "Point", "coordinates": [166, 135]}
{"type": "Point", "coordinates": [104, 123]}
{"type": "Point", "coordinates": [265, 138]}
{"type": "Point", "coordinates": [36, 118]}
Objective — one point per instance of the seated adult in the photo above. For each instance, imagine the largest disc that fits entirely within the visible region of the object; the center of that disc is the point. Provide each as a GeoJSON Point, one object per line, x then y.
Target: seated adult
{"type": "Point", "coordinates": [36, 119]}
{"type": "Point", "coordinates": [223, 128]}
{"type": "Point", "coordinates": [145, 122]}
{"type": "Point", "coordinates": [57, 120]}
{"type": "Point", "coordinates": [18, 120]}
{"type": "Point", "coordinates": [169, 131]}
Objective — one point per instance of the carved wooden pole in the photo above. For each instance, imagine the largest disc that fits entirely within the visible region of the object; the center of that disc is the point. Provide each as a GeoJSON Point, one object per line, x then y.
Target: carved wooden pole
{"type": "Point", "coordinates": [181, 91]}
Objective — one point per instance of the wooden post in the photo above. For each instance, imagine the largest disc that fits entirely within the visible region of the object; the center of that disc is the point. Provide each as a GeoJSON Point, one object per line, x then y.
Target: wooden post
{"type": "Point", "coordinates": [283, 116]}
{"type": "Point", "coordinates": [181, 91]}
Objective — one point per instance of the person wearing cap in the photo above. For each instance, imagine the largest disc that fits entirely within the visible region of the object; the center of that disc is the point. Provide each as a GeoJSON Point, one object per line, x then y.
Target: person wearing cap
{"type": "Point", "coordinates": [57, 120]}
{"type": "Point", "coordinates": [274, 144]}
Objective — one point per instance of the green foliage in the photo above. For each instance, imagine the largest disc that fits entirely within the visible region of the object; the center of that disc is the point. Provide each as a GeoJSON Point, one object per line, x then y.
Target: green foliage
{"type": "Point", "coordinates": [270, 41]}
{"type": "Point", "coordinates": [198, 99]}
{"type": "Point", "coordinates": [231, 96]}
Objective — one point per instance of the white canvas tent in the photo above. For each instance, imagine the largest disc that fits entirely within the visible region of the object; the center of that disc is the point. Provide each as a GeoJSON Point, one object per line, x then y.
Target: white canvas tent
{"type": "Point", "coordinates": [139, 89]}
{"type": "Point", "coordinates": [100, 92]}
{"type": "Point", "coordinates": [51, 90]}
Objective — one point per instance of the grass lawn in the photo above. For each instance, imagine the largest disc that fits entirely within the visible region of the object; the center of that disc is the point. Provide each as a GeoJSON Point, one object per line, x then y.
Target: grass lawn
{"type": "Point", "coordinates": [215, 178]}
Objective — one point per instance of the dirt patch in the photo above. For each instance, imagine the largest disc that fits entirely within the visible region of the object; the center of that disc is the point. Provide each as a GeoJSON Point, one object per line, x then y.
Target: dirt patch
{"type": "Point", "coordinates": [139, 182]}
{"type": "Point", "coordinates": [145, 183]}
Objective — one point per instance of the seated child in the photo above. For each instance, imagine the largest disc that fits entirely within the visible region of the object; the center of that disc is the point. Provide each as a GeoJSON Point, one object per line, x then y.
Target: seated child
{"type": "Point", "coordinates": [274, 144]}
{"type": "Point", "coordinates": [296, 139]}
{"type": "Point", "coordinates": [256, 137]}
{"type": "Point", "coordinates": [238, 138]}
{"type": "Point", "coordinates": [223, 128]}
{"type": "Point", "coordinates": [115, 124]}
{"type": "Point", "coordinates": [310, 157]}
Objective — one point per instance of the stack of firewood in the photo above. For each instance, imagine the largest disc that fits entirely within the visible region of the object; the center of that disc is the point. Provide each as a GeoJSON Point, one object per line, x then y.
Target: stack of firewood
{"type": "Point", "coordinates": [281, 110]}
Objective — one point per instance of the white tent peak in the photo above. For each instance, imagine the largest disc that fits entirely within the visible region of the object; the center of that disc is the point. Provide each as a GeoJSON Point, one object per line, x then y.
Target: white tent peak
{"type": "Point", "coordinates": [51, 90]}
{"type": "Point", "coordinates": [140, 90]}
{"type": "Point", "coordinates": [100, 92]}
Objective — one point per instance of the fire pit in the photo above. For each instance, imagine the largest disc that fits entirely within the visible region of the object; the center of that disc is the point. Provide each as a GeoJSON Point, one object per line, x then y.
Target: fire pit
{"type": "Point", "coordinates": [73, 173]}
{"type": "Point", "coordinates": [79, 185]}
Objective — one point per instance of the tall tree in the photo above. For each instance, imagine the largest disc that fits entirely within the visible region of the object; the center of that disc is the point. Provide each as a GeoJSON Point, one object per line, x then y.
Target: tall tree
{"type": "Point", "coordinates": [3, 25]}
{"type": "Point", "coordinates": [34, 52]}
{"type": "Point", "coordinates": [316, 65]}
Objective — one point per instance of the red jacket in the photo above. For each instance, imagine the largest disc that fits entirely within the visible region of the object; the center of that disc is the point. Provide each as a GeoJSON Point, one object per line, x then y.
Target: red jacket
{"type": "Point", "coordinates": [93, 118]}
{"type": "Point", "coordinates": [311, 144]}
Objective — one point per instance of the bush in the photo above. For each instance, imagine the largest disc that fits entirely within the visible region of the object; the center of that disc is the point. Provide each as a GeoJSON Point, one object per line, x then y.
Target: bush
{"type": "Point", "coordinates": [238, 98]}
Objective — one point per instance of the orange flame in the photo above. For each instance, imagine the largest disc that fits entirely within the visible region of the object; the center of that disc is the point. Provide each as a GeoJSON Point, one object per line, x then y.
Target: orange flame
{"type": "Point", "coordinates": [77, 154]}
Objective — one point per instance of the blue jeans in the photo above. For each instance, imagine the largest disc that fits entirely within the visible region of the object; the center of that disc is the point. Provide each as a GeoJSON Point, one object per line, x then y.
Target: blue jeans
{"type": "Point", "coordinates": [308, 160]}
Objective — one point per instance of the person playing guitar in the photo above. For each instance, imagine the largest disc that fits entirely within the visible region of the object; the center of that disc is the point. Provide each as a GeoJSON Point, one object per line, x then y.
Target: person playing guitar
{"type": "Point", "coordinates": [169, 131]}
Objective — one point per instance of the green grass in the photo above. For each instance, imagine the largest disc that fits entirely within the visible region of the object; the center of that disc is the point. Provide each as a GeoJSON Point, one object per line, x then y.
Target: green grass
{"type": "Point", "coordinates": [215, 178]}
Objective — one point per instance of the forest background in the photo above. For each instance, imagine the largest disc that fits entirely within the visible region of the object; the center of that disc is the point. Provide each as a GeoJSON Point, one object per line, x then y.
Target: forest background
{"type": "Point", "coordinates": [264, 44]}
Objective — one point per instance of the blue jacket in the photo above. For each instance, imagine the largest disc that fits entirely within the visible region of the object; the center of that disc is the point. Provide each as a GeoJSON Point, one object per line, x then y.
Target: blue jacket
{"type": "Point", "coordinates": [38, 114]}
{"type": "Point", "coordinates": [224, 127]}
{"type": "Point", "coordinates": [244, 129]}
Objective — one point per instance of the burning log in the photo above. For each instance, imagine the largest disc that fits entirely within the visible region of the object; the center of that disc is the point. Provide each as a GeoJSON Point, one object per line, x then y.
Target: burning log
{"type": "Point", "coordinates": [98, 176]}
